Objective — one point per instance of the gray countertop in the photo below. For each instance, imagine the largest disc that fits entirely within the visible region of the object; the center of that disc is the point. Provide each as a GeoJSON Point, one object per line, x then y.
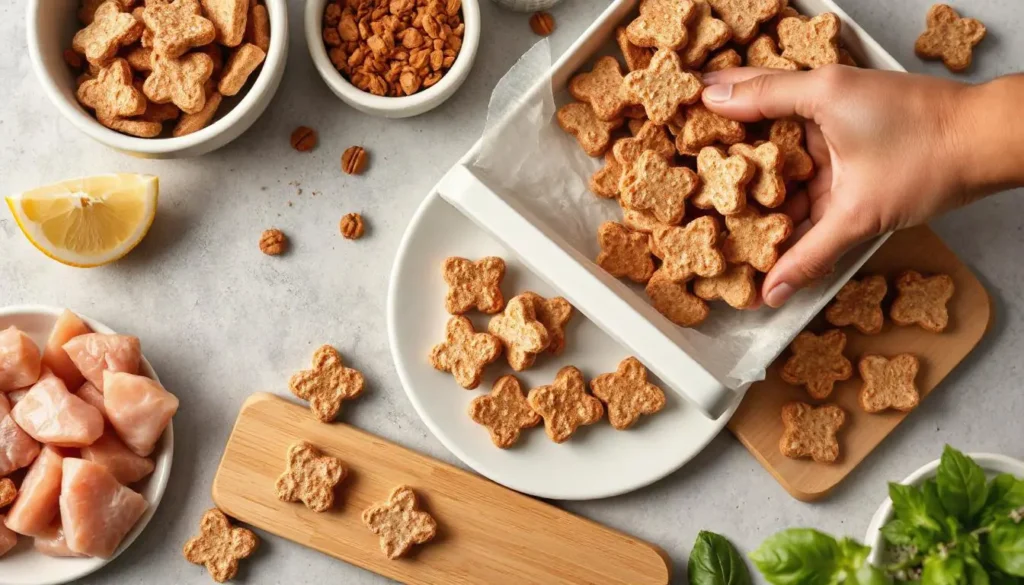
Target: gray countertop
{"type": "Point", "coordinates": [219, 320]}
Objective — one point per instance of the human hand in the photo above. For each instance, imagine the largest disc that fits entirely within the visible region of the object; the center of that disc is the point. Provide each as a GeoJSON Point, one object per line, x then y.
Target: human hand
{"type": "Point", "coordinates": [886, 146]}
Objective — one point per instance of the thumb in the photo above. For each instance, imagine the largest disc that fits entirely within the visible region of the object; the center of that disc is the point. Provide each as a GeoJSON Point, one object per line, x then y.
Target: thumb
{"type": "Point", "coordinates": [750, 95]}
{"type": "Point", "coordinates": [811, 258]}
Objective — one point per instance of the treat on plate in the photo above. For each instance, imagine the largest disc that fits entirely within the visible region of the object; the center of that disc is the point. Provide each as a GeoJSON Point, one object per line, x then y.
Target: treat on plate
{"type": "Point", "coordinates": [520, 332]}
{"type": "Point", "coordinates": [675, 301]}
{"type": "Point", "coordinates": [399, 522]}
{"type": "Point", "coordinates": [554, 313]}
{"type": "Point", "coordinates": [817, 362]}
{"type": "Point", "coordinates": [859, 303]}
{"type": "Point", "coordinates": [565, 404]}
{"type": "Point", "coordinates": [922, 301]}
{"type": "Point", "coordinates": [393, 48]}
{"type": "Point", "coordinates": [627, 394]}
{"type": "Point", "coordinates": [219, 546]}
{"type": "Point", "coordinates": [465, 352]}
{"type": "Point", "coordinates": [327, 384]}
{"type": "Point", "coordinates": [889, 383]}
{"type": "Point", "coordinates": [474, 285]}
{"type": "Point", "coordinates": [810, 431]}
{"type": "Point", "coordinates": [505, 412]}
{"type": "Point", "coordinates": [624, 252]}
{"type": "Point", "coordinates": [310, 477]}
{"type": "Point", "coordinates": [149, 68]}
{"type": "Point", "coordinates": [735, 286]}
{"type": "Point", "coordinates": [949, 37]}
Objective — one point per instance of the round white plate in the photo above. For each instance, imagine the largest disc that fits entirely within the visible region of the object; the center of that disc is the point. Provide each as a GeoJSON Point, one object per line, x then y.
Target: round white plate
{"type": "Point", "coordinates": [23, 565]}
{"type": "Point", "coordinates": [598, 461]}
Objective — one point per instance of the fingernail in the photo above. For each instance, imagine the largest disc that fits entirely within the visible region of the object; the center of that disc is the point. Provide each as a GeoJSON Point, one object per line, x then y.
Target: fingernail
{"type": "Point", "coordinates": [711, 77]}
{"type": "Point", "coordinates": [718, 93]}
{"type": "Point", "coordinates": [779, 295]}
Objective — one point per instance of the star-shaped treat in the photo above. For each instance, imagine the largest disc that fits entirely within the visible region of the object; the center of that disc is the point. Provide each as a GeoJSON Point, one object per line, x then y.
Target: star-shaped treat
{"type": "Point", "coordinates": [735, 286]}
{"type": "Point", "coordinates": [601, 87]}
{"type": "Point", "coordinates": [707, 33]}
{"type": "Point", "coordinates": [744, 16]}
{"type": "Point", "coordinates": [505, 412]}
{"type": "Point", "coordinates": [327, 384]}
{"type": "Point", "coordinates": [605, 180]}
{"type": "Point", "coordinates": [220, 546]}
{"type": "Point", "coordinates": [922, 301]}
{"type": "Point", "coordinates": [474, 285]}
{"type": "Point", "coordinates": [663, 86]}
{"type": "Point", "coordinates": [688, 251]}
{"type": "Point", "coordinates": [764, 53]}
{"type": "Point", "coordinates": [788, 135]}
{"type": "Point", "coordinates": [636, 57]}
{"type": "Point", "coordinates": [817, 362]}
{"type": "Point", "coordinates": [593, 134]}
{"type": "Point", "coordinates": [949, 37]}
{"type": "Point", "coordinates": [810, 431]}
{"type": "Point", "coordinates": [723, 181]}
{"type": "Point", "coordinates": [705, 128]}
{"type": "Point", "coordinates": [653, 185]}
{"type": "Point", "coordinates": [889, 383]}
{"type": "Point", "coordinates": [464, 352]}
{"type": "Point", "coordinates": [554, 313]}
{"type": "Point", "coordinates": [627, 394]}
{"type": "Point", "coordinates": [179, 81]}
{"type": "Point", "coordinates": [768, 187]}
{"type": "Point", "coordinates": [675, 301]}
{"type": "Point", "coordinates": [310, 477]}
{"type": "Point", "coordinates": [519, 330]}
{"type": "Point", "coordinates": [399, 522]}
{"type": "Point", "coordinates": [754, 238]}
{"type": "Point", "coordinates": [111, 93]}
{"type": "Point", "coordinates": [565, 404]}
{"type": "Point", "coordinates": [624, 252]}
{"type": "Point", "coordinates": [813, 43]}
{"type": "Point", "coordinates": [859, 303]}
{"type": "Point", "coordinates": [177, 27]}
{"type": "Point", "coordinates": [662, 24]}
{"type": "Point", "coordinates": [110, 29]}
{"type": "Point", "coordinates": [651, 137]}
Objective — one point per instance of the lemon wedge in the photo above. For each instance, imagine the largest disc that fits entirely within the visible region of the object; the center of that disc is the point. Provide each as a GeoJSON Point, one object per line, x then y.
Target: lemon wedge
{"type": "Point", "coordinates": [90, 221]}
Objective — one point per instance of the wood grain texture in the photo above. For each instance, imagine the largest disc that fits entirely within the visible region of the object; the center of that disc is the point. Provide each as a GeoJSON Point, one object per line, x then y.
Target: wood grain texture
{"type": "Point", "coordinates": [758, 424]}
{"type": "Point", "coordinates": [487, 534]}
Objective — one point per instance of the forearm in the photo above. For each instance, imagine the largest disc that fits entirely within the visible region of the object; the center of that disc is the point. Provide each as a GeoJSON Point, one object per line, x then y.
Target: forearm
{"type": "Point", "coordinates": [988, 136]}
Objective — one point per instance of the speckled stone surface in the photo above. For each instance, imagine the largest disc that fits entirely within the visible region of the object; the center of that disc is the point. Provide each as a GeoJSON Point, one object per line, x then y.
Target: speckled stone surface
{"type": "Point", "coordinates": [220, 321]}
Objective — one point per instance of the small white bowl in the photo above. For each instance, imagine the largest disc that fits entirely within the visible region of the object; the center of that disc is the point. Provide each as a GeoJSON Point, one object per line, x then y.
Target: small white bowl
{"type": "Point", "coordinates": [992, 463]}
{"type": "Point", "coordinates": [52, 23]}
{"type": "Point", "coordinates": [393, 107]}
{"type": "Point", "coordinates": [23, 565]}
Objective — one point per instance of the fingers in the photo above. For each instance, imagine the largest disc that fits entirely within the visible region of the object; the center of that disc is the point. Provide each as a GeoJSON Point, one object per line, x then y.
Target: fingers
{"type": "Point", "coordinates": [750, 95]}
{"type": "Point", "coordinates": [812, 257]}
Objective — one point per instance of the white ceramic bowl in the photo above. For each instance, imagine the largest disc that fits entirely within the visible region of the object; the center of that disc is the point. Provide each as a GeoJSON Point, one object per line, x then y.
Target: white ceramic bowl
{"type": "Point", "coordinates": [23, 565]}
{"type": "Point", "coordinates": [52, 23]}
{"type": "Point", "coordinates": [992, 463]}
{"type": "Point", "coordinates": [393, 107]}
{"type": "Point", "coordinates": [527, 5]}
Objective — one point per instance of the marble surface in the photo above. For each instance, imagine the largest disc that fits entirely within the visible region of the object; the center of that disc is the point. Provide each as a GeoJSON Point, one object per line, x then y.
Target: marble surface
{"type": "Point", "coordinates": [219, 320]}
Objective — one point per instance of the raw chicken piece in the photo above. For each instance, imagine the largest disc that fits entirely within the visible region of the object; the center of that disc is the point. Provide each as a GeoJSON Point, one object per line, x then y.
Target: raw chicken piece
{"type": "Point", "coordinates": [119, 460]}
{"type": "Point", "coordinates": [67, 327]}
{"type": "Point", "coordinates": [93, 353]}
{"type": "Point", "coordinates": [92, 397]}
{"type": "Point", "coordinates": [15, 396]}
{"type": "Point", "coordinates": [36, 506]}
{"type": "Point", "coordinates": [96, 511]}
{"type": "Point", "coordinates": [138, 408]}
{"type": "Point", "coordinates": [52, 415]}
{"type": "Point", "coordinates": [8, 537]}
{"type": "Point", "coordinates": [20, 361]}
{"type": "Point", "coordinates": [17, 449]}
{"type": "Point", "coordinates": [53, 544]}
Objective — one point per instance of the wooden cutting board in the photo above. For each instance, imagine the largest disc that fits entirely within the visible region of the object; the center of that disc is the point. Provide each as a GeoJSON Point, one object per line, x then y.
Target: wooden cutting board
{"type": "Point", "coordinates": [487, 534]}
{"type": "Point", "coordinates": [758, 424]}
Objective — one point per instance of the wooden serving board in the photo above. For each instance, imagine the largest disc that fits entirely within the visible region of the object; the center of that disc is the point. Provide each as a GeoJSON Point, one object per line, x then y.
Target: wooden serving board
{"type": "Point", "coordinates": [487, 534]}
{"type": "Point", "coordinates": [758, 424]}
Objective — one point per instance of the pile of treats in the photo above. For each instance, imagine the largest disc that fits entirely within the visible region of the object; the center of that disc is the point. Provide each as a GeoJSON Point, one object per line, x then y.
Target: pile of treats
{"type": "Point", "coordinates": [817, 361]}
{"type": "Point", "coordinates": [157, 62]}
{"type": "Point", "coordinates": [696, 189]}
{"type": "Point", "coordinates": [67, 459]}
{"type": "Point", "coordinates": [525, 327]}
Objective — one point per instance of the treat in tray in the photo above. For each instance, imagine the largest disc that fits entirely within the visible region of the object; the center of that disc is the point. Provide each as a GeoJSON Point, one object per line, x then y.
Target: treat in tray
{"type": "Point", "coordinates": [393, 48]}
{"type": "Point", "coordinates": [83, 424]}
{"type": "Point", "coordinates": [159, 69]}
{"type": "Point", "coordinates": [810, 431]}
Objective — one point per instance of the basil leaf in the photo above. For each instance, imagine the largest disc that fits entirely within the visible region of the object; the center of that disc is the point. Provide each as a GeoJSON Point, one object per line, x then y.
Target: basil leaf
{"type": "Point", "coordinates": [714, 561]}
{"type": "Point", "coordinates": [1000, 578]}
{"type": "Point", "coordinates": [854, 554]}
{"type": "Point", "coordinates": [1004, 547]}
{"type": "Point", "coordinates": [909, 505]}
{"type": "Point", "coordinates": [898, 533]}
{"type": "Point", "coordinates": [962, 486]}
{"type": "Point", "coordinates": [798, 556]}
{"type": "Point", "coordinates": [867, 575]}
{"type": "Point", "coordinates": [935, 510]}
{"type": "Point", "coordinates": [975, 573]}
{"type": "Point", "coordinates": [1005, 494]}
{"type": "Point", "coordinates": [943, 571]}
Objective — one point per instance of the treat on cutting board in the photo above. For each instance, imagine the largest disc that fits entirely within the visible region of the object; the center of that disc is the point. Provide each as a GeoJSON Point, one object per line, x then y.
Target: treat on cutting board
{"type": "Point", "coordinates": [817, 362]}
{"type": "Point", "coordinates": [219, 546]}
{"type": "Point", "coordinates": [859, 303]}
{"type": "Point", "coordinates": [810, 431]}
{"type": "Point", "coordinates": [922, 300]}
{"type": "Point", "coordinates": [889, 383]}
{"type": "Point", "coordinates": [399, 522]}
{"type": "Point", "coordinates": [949, 37]}
{"type": "Point", "coordinates": [627, 394]}
{"type": "Point", "coordinates": [465, 352]}
{"type": "Point", "coordinates": [327, 384]}
{"type": "Point", "coordinates": [565, 404]}
{"type": "Point", "coordinates": [310, 477]}
{"type": "Point", "coordinates": [504, 412]}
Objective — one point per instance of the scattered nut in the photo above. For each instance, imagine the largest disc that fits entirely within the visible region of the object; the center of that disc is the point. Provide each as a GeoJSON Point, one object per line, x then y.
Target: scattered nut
{"type": "Point", "coordinates": [303, 139]}
{"type": "Point", "coordinates": [273, 242]}
{"type": "Point", "coordinates": [542, 23]}
{"type": "Point", "coordinates": [353, 160]}
{"type": "Point", "coordinates": [351, 226]}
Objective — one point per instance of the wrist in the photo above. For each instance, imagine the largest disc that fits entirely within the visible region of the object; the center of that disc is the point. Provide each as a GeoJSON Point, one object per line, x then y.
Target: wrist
{"type": "Point", "coordinates": [985, 135]}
